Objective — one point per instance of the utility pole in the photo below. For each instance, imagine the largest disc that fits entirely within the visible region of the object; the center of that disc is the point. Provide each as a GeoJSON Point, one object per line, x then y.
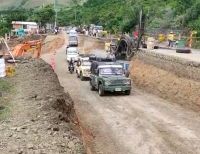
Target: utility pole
{"type": "Point", "coordinates": [56, 13]}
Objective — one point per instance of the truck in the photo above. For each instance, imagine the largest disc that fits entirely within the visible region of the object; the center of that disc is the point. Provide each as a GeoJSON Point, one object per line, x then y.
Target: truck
{"type": "Point", "coordinates": [83, 69]}
{"type": "Point", "coordinates": [72, 53]}
{"type": "Point", "coordinates": [109, 77]}
{"type": "Point", "coordinates": [73, 41]}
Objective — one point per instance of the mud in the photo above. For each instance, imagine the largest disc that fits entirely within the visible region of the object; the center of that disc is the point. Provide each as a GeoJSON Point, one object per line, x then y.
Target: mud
{"type": "Point", "coordinates": [171, 78]}
{"type": "Point", "coordinates": [42, 116]}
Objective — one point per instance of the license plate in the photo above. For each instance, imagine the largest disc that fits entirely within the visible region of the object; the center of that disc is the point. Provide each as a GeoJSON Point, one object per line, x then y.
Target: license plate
{"type": "Point", "coordinates": [118, 89]}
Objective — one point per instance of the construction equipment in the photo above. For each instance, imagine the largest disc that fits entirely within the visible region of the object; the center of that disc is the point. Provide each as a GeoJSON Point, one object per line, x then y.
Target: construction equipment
{"type": "Point", "coordinates": [29, 46]}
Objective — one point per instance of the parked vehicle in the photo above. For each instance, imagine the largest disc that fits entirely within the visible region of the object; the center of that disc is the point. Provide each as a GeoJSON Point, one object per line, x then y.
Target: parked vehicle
{"type": "Point", "coordinates": [109, 76]}
{"type": "Point", "coordinates": [73, 41]}
{"type": "Point", "coordinates": [83, 69]}
{"type": "Point", "coordinates": [72, 53]}
{"type": "Point", "coordinates": [73, 33]}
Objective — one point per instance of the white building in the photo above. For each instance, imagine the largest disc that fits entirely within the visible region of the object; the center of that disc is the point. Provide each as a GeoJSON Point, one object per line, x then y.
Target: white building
{"type": "Point", "coordinates": [29, 27]}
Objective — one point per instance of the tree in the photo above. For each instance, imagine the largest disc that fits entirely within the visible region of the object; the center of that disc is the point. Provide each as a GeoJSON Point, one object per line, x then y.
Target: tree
{"type": "Point", "coordinates": [44, 15]}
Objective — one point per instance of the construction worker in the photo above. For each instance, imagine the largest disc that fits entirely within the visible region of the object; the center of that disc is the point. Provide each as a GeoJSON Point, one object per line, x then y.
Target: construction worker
{"type": "Point", "coordinates": [171, 38]}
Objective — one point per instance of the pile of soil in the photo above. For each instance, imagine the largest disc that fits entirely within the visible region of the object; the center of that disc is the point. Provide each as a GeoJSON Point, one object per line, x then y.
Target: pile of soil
{"type": "Point", "coordinates": [167, 78]}
{"type": "Point", "coordinates": [15, 40]}
{"type": "Point", "coordinates": [88, 44]}
{"type": "Point", "coordinates": [42, 116]}
{"type": "Point", "coordinates": [52, 43]}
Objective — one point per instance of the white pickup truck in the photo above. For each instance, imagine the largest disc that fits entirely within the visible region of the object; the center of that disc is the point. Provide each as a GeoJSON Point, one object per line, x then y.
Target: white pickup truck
{"type": "Point", "coordinates": [83, 70]}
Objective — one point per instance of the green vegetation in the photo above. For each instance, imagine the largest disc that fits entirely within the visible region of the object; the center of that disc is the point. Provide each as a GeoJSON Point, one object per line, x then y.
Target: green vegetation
{"type": "Point", "coordinates": [114, 15]}
{"type": "Point", "coordinates": [118, 15]}
{"type": "Point", "coordinates": [41, 15]}
{"type": "Point", "coordinates": [5, 87]}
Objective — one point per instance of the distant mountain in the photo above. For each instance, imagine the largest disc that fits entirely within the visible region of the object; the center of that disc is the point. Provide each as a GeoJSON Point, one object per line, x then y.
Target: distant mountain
{"type": "Point", "coordinates": [13, 4]}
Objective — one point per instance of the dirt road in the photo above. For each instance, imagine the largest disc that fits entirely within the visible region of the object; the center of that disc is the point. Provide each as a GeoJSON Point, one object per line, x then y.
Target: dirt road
{"type": "Point", "coordinates": [137, 124]}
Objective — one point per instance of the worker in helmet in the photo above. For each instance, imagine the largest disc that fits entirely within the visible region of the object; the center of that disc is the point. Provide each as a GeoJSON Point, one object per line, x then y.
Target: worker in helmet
{"type": "Point", "coordinates": [171, 38]}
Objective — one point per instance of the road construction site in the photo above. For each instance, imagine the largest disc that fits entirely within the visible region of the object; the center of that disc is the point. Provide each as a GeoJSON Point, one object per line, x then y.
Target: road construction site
{"type": "Point", "coordinates": [160, 116]}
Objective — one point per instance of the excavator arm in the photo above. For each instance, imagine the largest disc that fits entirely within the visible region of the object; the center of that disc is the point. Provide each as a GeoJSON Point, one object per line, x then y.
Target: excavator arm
{"type": "Point", "coordinates": [22, 49]}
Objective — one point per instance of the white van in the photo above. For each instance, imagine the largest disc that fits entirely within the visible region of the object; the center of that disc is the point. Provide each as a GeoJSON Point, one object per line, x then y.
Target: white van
{"type": "Point", "coordinates": [73, 33]}
{"type": "Point", "coordinates": [72, 53]}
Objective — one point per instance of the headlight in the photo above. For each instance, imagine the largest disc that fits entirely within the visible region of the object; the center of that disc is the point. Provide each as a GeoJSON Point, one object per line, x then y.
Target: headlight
{"type": "Point", "coordinates": [107, 83]}
{"type": "Point", "coordinates": [127, 81]}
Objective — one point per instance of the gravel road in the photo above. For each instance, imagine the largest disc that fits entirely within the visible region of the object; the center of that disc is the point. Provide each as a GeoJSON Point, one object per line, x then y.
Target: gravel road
{"type": "Point", "coordinates": [137, 124]}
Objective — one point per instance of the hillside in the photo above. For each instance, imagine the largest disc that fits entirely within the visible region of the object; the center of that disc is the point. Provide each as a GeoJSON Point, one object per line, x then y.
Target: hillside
{"type": "Point", "coordinates": [123, 15]}
{"type": "Point", "coordinates": [13, 4]}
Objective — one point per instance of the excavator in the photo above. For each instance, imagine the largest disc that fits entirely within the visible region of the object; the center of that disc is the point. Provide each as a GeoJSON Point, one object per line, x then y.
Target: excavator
{"type": "Point", "coordinates": [29, 46]}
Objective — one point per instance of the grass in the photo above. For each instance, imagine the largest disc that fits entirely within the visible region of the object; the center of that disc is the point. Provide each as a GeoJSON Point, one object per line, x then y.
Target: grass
{"type": "Point", "coordinates": [5, 86]}
{"type": "Point", "coordinates": [5, 89]}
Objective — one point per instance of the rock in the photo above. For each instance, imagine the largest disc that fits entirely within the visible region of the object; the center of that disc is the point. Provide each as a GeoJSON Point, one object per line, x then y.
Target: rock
{"type": "Point", "coordinates": [30, 146]}
{"type": "Point", "coordinates": [33, 96]}
{"type": "Point", "coordinates": [63, 145]}
{"type": "Point", "coordinates": [10, 135]}
{"type": "Point", "coordinates": [18, 137]}
{"type": "Point", "coordinates": [50, 100]}
{"type": "Point", "coordinates": [18, 129]}
{"type": "Point", "coordinates": [56, 129]}
{"type": "Point", "coordinates": [14, 128]}
{"type": "Point", "coordinates": [27, 131]}
{"type": "Point", "coordinates": [70, 145]}
{"type": "Point", "coordinates": [33, 120]}
{"type": "Point", "coordinates": [54, 133]}
{"type": "Point", "coordinates": [24, 127]}
{"type": "Point", "coordinates": [20, 151]}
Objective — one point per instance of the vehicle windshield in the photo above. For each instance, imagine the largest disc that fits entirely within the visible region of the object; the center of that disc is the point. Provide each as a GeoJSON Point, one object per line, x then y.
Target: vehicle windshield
{"type": "Point", "coordinates": [99, 28]}
{"type": "Point", "coordinates": [111, 71]}
{"type": "Point", "coordinates": [72, 52]}
{"type": "Point", "coordinates": [86, 63]}
{"type": "Point", "coordinates": [73, 38]}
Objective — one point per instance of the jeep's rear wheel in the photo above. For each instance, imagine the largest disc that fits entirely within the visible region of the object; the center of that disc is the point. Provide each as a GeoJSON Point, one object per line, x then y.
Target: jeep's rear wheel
{"type": "Point", "coordinates": [77, 74]}
{"type": "Point", "coordinates": [101, 91]}
{"type": "Point", "coordinates": [81, 76]}
{"type": "Point", "coordinates": [128, 92]}
{"type": "Point", "coordinates": [92, 88]}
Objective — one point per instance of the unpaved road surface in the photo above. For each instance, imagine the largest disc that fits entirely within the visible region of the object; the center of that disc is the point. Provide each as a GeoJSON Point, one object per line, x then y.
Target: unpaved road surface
{"type": "Point", "coordinates": [137, 124]}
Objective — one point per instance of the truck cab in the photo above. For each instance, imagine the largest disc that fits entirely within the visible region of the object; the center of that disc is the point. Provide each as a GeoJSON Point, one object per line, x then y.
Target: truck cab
{"type": "Point", "coordinates": [109, 77]}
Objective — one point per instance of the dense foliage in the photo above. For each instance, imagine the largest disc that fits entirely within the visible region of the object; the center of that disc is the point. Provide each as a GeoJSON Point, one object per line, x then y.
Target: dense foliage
{"type": "Point", "coordinates": [117, 15]}
{"type": "Point", "coordinates": [41, 15]}
{"type": "Point", "coordinates": [114, 15]}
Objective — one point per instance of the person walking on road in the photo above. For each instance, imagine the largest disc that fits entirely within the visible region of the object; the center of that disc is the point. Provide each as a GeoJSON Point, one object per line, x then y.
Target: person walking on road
{"type": "Point", "coordinates": [171, 39]}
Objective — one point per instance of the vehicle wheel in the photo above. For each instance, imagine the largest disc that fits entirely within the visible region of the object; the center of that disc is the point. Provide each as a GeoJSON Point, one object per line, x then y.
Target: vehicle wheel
{"type": "Point", "coordinates": [101, 91]}
{"type": "Point", "coordinates": [183, 51]}
{"type": "Point", "coordinates": [77, 75]}
{"type": "Point", "coordinates": [92, 88]}
{"type": "Point", "coordinates": [81, 76]}
{"type": "Point", "coordinates": [128, 92]}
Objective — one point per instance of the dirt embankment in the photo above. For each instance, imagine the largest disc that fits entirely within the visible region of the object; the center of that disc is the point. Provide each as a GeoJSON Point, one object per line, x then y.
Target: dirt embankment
{"type": "Point", "coordinates": [88, 44]}
{"type": "Point", "coordinates": [52, 43]}
{"type": "Point", "coordinates": [171, 78]}
{"type": "Point", "coordinates": [42, 117]}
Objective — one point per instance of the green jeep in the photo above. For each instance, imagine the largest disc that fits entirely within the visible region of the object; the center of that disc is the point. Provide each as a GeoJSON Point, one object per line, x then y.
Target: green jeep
{"type": "Point", "coordinates": [109, 77]}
